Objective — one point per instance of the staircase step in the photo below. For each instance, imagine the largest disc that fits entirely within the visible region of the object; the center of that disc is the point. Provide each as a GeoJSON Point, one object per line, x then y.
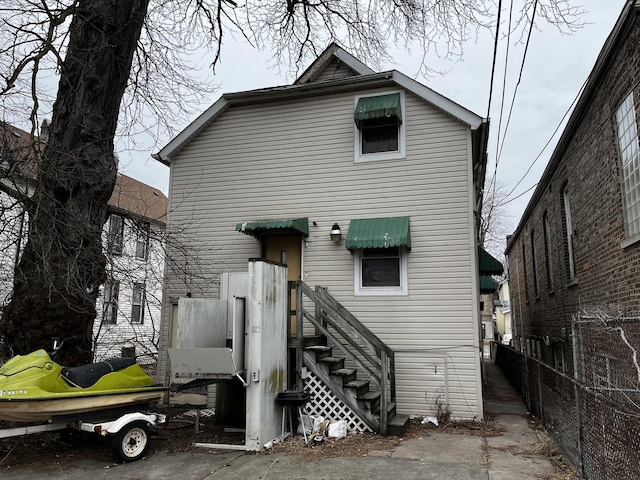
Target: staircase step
{"type": "Point", "coordinates": [347, 374]}
{"type": "Point", "coordinates": [321, 351]}
{"type": "Point", "coordinates": [315, 340]}
{"type": "Point", "coordinates": [391, 410]}
{"type": "Point", "coordinates": [360, 387]}
{"type": "Point", "coordinates": [332, 363]}
{"type": "Point", "coordinates": [371, 400]}
{"type": "Point", "coordinates": [397, 425]}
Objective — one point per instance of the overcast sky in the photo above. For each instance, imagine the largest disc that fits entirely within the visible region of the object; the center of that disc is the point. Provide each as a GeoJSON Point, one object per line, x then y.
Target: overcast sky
{"type": "Point", "coordinates": [556, 67]}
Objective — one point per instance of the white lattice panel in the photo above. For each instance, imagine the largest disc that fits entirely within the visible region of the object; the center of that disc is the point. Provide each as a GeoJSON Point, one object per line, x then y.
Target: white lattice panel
{"type": "Point", "coordinates": [326, 404]}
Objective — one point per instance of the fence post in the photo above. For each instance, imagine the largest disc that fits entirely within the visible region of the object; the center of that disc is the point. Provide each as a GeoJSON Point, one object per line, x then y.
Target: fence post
{"type": "Point", "coordinates": [576, 389]}
{"type": "Point", "coordinates": [540, 399]}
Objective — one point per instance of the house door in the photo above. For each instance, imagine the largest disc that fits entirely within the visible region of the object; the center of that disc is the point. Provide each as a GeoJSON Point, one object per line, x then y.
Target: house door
{"type": "Point", "coordinates": [286, 249]}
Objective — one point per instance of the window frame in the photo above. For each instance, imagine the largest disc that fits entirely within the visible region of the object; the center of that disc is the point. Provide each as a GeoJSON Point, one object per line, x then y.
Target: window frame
{"type": "Point", "coordinates": [115, 237]}
{"type": "Point", "coordinates": [629, 153]}
{"type": "Point", "coordinates": [360, 157]}
{"type": "Point", "coordinates": [547, 250]}
{"type": "Point", "coordinates": [402, 289]}
{"type": "Point", "coordinates": [569, 234]}
{"type": "Point", "coordinates": [143, 230]}
{"type": "Point", "coordinates": [111, 297]}
{"type": "Point", "coordinates": [534, 265]}
{"type": "Point", "coordinates": [558, 357]}
{"type": "Point", "coordinates": [137, 317]}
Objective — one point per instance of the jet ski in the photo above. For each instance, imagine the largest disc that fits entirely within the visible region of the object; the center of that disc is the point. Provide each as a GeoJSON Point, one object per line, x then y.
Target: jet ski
{"type": "Point", "coordinates": [35, 388]}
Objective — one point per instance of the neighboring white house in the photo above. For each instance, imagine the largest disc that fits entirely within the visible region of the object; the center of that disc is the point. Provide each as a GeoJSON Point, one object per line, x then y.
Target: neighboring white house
{"type": "Point", "coordinates": [128, 321]}
{"type": "Point", "coordinates": [129, 305]}
{"type": "Point", "coordinates": [271, 172]}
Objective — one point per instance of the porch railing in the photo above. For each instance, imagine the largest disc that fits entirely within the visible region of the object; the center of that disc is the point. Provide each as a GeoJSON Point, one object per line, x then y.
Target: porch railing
{"type": "Point", "coordinates": [343, 330]}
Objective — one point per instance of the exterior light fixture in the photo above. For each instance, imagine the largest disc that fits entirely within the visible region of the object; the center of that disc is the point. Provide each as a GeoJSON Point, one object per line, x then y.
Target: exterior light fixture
{"type": "Point", "coordinates": [336, 234]}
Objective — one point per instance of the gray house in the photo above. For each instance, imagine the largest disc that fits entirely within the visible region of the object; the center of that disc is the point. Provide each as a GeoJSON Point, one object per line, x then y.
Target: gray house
{"type": "Point", "coordinates": [365, 184]}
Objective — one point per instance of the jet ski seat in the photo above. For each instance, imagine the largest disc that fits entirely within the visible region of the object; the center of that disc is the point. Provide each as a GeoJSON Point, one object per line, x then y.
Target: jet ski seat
{"type": "Point", "coordinates": [86, 375]}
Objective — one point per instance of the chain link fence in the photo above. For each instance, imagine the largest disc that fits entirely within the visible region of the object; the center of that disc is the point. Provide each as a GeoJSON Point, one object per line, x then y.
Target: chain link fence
{"type": "Point", "coordinates": [594, 417]}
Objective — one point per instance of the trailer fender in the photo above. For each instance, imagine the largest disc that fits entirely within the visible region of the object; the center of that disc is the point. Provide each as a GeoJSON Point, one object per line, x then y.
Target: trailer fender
{"type": "Point", "coordinates": [113, 427]}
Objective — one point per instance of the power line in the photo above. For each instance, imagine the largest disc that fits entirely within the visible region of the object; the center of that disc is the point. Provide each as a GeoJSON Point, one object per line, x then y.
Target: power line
{"type": "Point", "coordinates": [515, 91]}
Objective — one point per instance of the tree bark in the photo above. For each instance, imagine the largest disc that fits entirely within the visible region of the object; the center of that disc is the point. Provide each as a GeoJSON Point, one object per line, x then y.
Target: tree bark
{"type": "Point", "coordinates": [58, 277]}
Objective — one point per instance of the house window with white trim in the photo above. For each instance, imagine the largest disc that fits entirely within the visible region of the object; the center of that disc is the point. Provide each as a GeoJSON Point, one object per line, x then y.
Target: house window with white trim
{"type": "Point", "coordinates": [379, 133]}
{"type": "Point", "coordinates": [629, 164]}
{"type": "Point", "coordinates": [137, 303]}
{"type": "Point", "coordinates": [380, 247]}
{"type": "Point", "coordinates": [381, 271]}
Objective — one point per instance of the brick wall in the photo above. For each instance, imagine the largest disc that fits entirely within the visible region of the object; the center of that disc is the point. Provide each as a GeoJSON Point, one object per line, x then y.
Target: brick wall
{"type": "Point", "coordinates": [589, 170]}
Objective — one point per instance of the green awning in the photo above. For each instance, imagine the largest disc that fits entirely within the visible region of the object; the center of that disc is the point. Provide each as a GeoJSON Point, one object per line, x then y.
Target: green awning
{"type": "Point", "coordinates": [378, 233]}
{"type": "Point", "coordinates": [487, 264]}
{"type": "Point", "coordinates": [382, 106]}
{"type": "Point", "coordinates": [260, 227]}
{"type": "Point", "coordinates": [488, 284]}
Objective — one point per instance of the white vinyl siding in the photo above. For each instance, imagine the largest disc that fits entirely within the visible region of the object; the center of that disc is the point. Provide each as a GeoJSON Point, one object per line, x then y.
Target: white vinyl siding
{"type": "Point", "coordinates": [295, 159]}
{"type": "Point", "coordinates": [334, 72]}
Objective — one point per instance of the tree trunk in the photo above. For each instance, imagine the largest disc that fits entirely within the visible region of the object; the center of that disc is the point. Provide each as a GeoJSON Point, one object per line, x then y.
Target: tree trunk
{"type": "Point", "coordinates": [57, 280]}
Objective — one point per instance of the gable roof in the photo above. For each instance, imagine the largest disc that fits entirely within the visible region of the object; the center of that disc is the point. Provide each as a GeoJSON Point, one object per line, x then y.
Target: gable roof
{"type": "Point", "coordinates": [305, 87]}
{"type": "Point", "coordinates": [134, 198]}
{"type": "Point", "coordinates": [618, 34]}
{"type": "Point", "coordinates": [333, 55]}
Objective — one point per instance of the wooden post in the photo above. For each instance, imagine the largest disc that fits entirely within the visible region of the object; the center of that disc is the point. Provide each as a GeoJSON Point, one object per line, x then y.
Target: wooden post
{"type": "Point", "coordinates": [384, 387]}
{"type": "Point", "coordinates": [299, 333]}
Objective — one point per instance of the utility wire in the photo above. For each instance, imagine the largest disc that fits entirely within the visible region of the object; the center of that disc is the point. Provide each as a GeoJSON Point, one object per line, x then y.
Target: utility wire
{"type": "Point", "coordinates": [495, 54]}
{"type": "Point", "coordinates": [493, 69]}
{"type": "Point", "coordinates": [515, 91]}
{"type": "Point", "coordinates": [548, 141]}
{"type": "Point", "coordinates": [576, 148]}
{"type": "Point", "coordinates": [504, 81]}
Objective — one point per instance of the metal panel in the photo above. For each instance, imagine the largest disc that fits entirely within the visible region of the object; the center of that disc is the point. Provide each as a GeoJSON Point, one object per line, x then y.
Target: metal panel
{"type": "Point", "coordinates": [487, 264]}
{"type": "Point", "coordinates": [201, 323]}
{"type": "Point", "coordinates": [259, 227]}
{"type": "Point", "coordinates": [378, 233]}
{"type": "Point", "coordinates": [380, 106]}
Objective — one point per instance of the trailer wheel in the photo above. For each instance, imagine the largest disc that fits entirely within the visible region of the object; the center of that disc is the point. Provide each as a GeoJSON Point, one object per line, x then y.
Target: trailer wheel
{"type": "Point", "coordinates": [131, 442]}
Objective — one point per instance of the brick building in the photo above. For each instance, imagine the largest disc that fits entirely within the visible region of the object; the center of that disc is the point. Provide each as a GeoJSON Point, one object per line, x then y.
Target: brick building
{"type": "Point", "coordinates": [577, 246]}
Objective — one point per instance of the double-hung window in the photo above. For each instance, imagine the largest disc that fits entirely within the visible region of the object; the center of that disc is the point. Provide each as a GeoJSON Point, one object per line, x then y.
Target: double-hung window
{"type": "Point", "coordinates": [379, 133]}
{"type": "Point", "coordinates": [137, 303]}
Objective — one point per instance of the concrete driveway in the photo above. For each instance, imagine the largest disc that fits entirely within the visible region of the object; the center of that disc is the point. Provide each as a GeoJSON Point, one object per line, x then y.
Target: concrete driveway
{"type": "Point", "coordinates": [451, 456]}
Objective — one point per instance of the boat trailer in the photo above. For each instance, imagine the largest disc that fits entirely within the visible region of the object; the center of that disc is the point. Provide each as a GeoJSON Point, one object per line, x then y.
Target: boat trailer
{"type": "Point", "coordinates": [130, 431]}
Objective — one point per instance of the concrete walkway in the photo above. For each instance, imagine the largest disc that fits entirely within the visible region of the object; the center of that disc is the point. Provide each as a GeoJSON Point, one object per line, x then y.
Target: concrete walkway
{"type": "Point", "coordinates": [437, 456]}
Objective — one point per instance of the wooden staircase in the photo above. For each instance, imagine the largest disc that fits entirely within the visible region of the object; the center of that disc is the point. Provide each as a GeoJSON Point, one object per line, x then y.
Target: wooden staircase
{"type": "Point", "coordinates": [336, 347]}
